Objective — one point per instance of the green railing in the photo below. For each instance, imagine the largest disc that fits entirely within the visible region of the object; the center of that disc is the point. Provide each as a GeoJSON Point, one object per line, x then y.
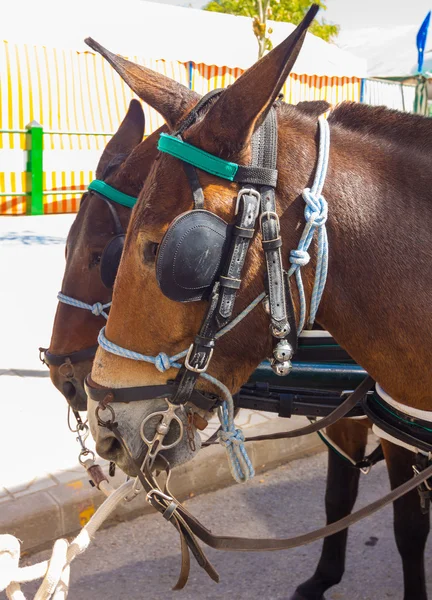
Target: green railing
{"type": "Point", "coordinates": [34, 191]}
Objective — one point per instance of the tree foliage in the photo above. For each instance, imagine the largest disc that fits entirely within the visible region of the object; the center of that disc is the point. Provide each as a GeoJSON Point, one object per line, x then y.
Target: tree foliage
{"type": "Point", "coordinates": [260, 11]}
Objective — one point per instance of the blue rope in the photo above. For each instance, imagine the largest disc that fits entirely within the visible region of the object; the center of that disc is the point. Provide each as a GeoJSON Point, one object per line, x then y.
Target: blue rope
{"type": "Point", "coordinates": [97, 308]}
{"type": "Point", "coordinates": [231, 437]}
{"type": "Point", "coordinates": [316, 211]}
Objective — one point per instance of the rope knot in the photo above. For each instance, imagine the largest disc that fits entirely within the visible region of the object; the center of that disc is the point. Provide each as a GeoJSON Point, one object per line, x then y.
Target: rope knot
{"type": "Point", "coordinates": [162, 362]}
{"type": "Point", "coordinates": [316, 208]}
{"type": "Point", "coordinates": [228, 438]}
{"type": "Point", "coordinates": [97, 308]}
{"type": "Point", "coordinates": [299, 257]}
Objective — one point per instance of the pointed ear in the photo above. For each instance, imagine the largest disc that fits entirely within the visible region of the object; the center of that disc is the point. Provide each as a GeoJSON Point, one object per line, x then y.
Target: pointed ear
{"type": "Point", "coordinates": [128, 136]}
{"type": "Point", "coordinates": [229, 124]}
{"type": "Point", "coordinates": [171, 99]}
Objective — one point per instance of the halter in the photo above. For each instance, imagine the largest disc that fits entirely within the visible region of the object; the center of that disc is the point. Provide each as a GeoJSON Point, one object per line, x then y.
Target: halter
{"type": "Point", "coordinates": [256, 202]}
{"type": "Point", "coordinates": [109, 195]}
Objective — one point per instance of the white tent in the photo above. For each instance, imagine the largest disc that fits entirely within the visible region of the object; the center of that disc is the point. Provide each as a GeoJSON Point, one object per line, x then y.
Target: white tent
{"type": "Point", "coordinates": [135, 27]}
{"type": "Point", "coordinates": [390, 52]}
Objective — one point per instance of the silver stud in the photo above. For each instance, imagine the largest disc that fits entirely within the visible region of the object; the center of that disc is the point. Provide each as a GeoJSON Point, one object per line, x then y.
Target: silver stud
{"type": "Point", "coordinates": [266, 304]}
{"type": "Point", "coordinates": [280, 333]}
{"type": "Point", "coordinates": [281, 368]}
{"type": "Point", "coordinates": [283, 351]}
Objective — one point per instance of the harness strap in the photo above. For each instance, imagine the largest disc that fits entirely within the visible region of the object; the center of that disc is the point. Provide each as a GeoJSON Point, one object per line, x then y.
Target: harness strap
{"type": "Point", "coordinates": [224, 292]}
{"type": "Point", "coordinates": [343, 409]}
{"type": "Point", "coordinates": [178, 520]}
{"type": "Point", "coordinates": [408, 430]}
{"type": "Point", "coordinates": [106, 190]}
{"type": "Point", "coordinates": [56, 360]}
{"type": "Point", "coordinates": [117, 224]}
{"type": "Point", "coordinates": [197, 192]}
{"type": "Point", "coordinates": [163, 502]}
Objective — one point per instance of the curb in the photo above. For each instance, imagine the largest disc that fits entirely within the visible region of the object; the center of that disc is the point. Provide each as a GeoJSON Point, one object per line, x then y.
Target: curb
{"type": "Point", "coordinates": [42, 517]}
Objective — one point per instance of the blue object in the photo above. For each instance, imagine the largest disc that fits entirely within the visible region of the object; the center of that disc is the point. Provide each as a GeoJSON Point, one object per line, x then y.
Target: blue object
{"type": "Point", "coordinates": [421, 40]}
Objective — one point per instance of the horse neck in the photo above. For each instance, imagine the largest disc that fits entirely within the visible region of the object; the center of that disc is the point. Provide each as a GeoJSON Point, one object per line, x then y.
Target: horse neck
{"type": "Point", "coordinates": [376, 301]}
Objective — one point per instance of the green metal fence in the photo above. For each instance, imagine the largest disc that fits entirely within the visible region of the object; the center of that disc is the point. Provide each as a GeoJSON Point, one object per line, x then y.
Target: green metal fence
{"type": "Point", "coordinates": [34, 146]}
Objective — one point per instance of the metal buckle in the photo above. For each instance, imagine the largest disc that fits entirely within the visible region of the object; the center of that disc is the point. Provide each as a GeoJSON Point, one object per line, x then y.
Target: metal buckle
{"type": "Point", "coordinates": [269, 214]}
{"type": "Point", "coordinates": [250, 192]}
{"type": "Point", "coordinates": [197, 369]}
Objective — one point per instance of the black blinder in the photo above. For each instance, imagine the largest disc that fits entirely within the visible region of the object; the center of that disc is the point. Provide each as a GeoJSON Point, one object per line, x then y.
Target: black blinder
{"type": "Point", "coordinates": [191, 255]}
{"type": "Point", "coordinates": [110, 260]}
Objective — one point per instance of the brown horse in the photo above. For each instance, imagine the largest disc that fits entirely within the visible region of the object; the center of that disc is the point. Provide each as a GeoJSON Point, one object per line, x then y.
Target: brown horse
{"type": "Point", "coordinates": [373, 178]}
{"type": "Point", "coordinates": [124, 164]}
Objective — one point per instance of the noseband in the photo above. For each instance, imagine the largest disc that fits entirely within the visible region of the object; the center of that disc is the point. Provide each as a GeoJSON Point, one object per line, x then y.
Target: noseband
{"type": "Point", "coordinates": [110, 261]}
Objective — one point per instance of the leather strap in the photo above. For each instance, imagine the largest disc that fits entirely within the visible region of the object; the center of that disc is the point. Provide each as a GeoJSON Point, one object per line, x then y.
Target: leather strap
{"type": "Point", "coordinates": [147, 392]}
{"type": "Point", "coordinates": [396, 424]}
{"type": "Point", "coordinates": [357, 395]}
{"type": "Point", "coordinates": [246, 219]}
{"type": "Point", "coordinates": [56, 360]}
{"type": "Point", "coordinates": [183, 517]}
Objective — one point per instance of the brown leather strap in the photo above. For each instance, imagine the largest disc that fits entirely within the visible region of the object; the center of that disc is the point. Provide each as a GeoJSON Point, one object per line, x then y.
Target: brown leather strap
{"type": "Point", "coordinates": [187, 537]}
{"type": "Point", "coordinates": [339, 412]}
{"type": "Point", "coordinates": [244, 544]}
{"type": "Point", "coordinates": [190, 526]}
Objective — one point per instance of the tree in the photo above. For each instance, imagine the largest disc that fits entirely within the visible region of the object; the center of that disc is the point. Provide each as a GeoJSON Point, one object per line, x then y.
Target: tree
{"type": "Point", "coordinates": [292, 11]}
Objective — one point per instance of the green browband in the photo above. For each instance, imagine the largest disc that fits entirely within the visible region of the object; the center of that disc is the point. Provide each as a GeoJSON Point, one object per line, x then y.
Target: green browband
{"type": "Point", "coordinates": [111, 193]}
{"type": "Point", "coordinates": [197, 157]}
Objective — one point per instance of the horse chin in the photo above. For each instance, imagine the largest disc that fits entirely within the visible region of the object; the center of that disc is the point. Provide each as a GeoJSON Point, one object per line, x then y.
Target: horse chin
{"type": "Point", "coordinates": [129, 418]}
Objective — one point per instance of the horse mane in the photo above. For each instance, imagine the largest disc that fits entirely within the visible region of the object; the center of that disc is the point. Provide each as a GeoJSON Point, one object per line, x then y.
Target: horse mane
{"type": "Point", "coordinates": [379, 121]}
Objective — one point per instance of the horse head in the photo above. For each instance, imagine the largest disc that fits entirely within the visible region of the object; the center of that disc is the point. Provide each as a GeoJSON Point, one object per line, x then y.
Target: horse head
{"type": "Point", "coordinates": [146, 318]}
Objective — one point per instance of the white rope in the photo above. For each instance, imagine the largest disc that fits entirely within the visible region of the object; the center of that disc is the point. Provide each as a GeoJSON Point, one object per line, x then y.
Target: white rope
{"type": "Point", "coordinates": [315, 216]}
{"type": "Point", "coordinates": [55, 572]}
{"type": "Point", "coordinates": [96, 309]}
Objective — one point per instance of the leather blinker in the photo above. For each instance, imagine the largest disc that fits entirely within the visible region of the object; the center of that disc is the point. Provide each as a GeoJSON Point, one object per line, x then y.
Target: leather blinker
{"type": "Point", "coordinates": [191, 255]}
{"type": "Point", "coordinates": [110, 260]}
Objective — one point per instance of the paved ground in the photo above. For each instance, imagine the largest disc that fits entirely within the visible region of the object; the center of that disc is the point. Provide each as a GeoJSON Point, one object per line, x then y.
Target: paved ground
{"type": "Point", "coordinates": [140, 559]}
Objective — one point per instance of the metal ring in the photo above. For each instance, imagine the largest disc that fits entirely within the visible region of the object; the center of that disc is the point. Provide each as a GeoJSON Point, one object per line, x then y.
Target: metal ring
{"type": "Point", "coordinates": [85, 453]}
{"type": "Point", "coordinates": [100, 421]}
{"type": "Point", "coordinates": [69, 374]}
{"type": "Point", "coordinates": [162, 446]}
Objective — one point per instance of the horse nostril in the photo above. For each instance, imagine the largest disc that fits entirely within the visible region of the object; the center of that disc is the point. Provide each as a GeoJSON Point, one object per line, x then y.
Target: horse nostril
{"type": "Point", "coordinates": [69, 390]}
{"type": "Point", "coordinates": [108, 447]}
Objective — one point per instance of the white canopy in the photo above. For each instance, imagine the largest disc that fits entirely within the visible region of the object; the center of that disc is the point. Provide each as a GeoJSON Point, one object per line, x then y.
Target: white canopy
{"type": "Point", "coordinates": [135, 27]}
{"type": "Point", "coordinates": [390, 52]}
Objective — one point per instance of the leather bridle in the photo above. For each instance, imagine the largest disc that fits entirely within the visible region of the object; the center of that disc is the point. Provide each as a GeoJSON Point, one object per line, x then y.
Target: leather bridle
{"type": "Point", "coordinates": [67, 360]}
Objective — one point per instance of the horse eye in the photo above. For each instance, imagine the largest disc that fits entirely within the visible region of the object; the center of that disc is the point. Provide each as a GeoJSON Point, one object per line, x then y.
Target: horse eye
{"type": "Point", "coordinates": [150, 251]}
{"type": "Point", "coordinates": [95, 260]}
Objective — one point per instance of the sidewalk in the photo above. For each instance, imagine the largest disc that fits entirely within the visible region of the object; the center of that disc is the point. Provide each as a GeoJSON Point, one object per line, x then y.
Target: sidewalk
{"type": "Point", "coordinates": [44, 492]}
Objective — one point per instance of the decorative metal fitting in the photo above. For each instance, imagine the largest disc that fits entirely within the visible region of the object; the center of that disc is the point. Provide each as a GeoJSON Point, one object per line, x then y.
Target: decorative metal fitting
{"type": "Point", "coordinates": [281, 368]}
{"type": "Point", "coordinates": [283, 351]}
{"type": "Point", "coordinates": [266, 304]}
{"type": "Point", "coordinates": [280, 333]}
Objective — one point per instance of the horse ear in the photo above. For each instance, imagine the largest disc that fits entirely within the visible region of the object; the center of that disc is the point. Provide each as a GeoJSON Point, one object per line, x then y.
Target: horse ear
{"type": "Point", "coordinates": [127, 137]}
{"type": "Point", "coordinates": [229, 124]}
{"type": "Point", "coordinates": [171, 99]}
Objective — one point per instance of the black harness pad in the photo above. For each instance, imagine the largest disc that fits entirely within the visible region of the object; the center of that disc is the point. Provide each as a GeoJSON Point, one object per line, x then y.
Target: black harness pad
{"type": "Point", "coordinates": [110, 260]}
{"type": "Point", "coordinates": [191, 255]}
